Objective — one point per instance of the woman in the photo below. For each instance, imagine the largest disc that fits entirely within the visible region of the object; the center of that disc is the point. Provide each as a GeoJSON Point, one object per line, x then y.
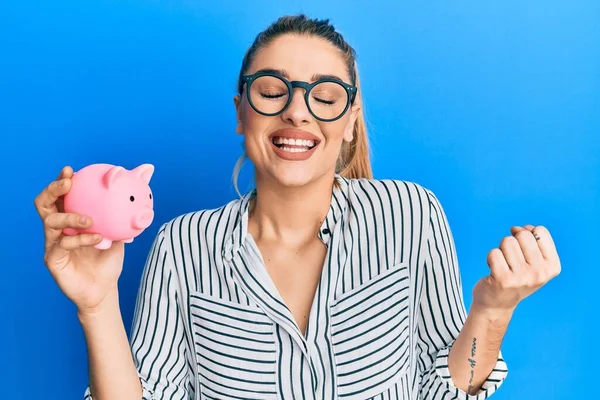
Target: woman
{"type": "Point", "coordinates": [321, 283]}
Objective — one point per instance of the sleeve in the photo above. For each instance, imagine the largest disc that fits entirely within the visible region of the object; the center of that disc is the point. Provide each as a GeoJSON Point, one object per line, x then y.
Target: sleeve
{"type": "Point", "coordinates": [158, 340]}
{"type": "Point", "coordinates": [442, 313]}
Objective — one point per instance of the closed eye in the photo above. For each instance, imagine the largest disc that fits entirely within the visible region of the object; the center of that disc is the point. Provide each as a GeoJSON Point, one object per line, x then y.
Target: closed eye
{"type": "Point", "coordinates": [329, 102]}
{"type": "Point", "coordinates": [272, 96]}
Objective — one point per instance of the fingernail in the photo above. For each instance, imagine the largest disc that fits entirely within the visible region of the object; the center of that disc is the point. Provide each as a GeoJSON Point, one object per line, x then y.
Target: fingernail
{"type": "Point", "coordinates": [83, 220]}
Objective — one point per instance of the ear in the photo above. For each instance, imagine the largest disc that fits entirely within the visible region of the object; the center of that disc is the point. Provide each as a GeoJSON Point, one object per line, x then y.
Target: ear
{"type": "Point", "coordinates": [349, 129]}
{"type": "Point", "coordinates": [237, 101]}
{"type": "Point", "coordinates": [113, 175]}
{"type": "Point", "coordinates": [144, 171]}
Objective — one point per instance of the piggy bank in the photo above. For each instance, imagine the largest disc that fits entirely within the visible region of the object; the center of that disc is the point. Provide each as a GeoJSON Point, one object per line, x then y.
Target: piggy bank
{"type": "Point", "coordinates": [118, 200]}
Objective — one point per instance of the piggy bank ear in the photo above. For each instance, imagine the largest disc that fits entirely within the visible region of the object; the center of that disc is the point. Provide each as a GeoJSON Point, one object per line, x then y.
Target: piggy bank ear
{"type": "Point", "coordinates": [144, 171]}
{"type": "Point", "coordinates": [113, 175]}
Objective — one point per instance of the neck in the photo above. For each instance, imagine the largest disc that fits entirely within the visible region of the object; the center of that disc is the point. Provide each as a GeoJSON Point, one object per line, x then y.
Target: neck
{"type": "Point", "coordinates": [289, 216]}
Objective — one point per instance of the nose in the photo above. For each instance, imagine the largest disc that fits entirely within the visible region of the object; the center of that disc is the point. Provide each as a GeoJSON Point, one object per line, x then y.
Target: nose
{"type": "Point", "coordinates": [297, 111]}
{"type": "Point", "coordinates": [143, 219]}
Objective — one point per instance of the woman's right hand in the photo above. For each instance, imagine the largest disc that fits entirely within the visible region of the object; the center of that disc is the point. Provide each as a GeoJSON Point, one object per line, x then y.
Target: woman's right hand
{"type": "Point", "coordinates": [86, 275]}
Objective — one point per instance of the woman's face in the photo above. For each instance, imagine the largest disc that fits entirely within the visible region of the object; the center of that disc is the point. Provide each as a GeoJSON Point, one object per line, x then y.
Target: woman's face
{"type": "Point", "coordinates": [300, 57]}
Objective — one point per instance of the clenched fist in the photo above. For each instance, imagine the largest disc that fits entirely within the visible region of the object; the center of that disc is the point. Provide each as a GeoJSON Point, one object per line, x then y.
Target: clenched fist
{"type": "Point", "coordinates": [522, 264]}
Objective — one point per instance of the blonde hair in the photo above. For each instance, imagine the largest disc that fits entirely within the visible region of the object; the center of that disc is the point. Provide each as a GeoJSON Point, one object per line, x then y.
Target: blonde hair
{"type": "Point", "coordinates": [354, 159]}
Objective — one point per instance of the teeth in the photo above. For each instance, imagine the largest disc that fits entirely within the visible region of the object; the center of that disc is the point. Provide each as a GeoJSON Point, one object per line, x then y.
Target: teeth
{"type": "Point", "coordinates": [294, 142]}
{"type": "Point", "coordinates": [294, 149]}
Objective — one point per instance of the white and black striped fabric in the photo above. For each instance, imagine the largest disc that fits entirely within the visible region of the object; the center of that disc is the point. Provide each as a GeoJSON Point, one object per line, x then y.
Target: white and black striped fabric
{"type": "Point", "coordinates": [210, 324]}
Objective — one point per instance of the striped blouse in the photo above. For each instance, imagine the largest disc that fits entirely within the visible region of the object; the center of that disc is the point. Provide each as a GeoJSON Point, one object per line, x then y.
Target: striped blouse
{"type": "Point", "coordinates": [209, 322]}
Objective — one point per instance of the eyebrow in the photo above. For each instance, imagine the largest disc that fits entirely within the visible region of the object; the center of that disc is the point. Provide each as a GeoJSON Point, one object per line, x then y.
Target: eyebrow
{"type": "Point", "coordinates": [284, 73]}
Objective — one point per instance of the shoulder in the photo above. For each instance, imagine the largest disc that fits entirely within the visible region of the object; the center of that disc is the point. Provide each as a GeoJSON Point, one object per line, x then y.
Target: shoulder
{"type": "Point", "coordinates": [199, 226]}
{"type": "Point", "coordinates": [385, 199]}
{"type": "Point", "coordinates": [192, 241]}
{"type": "Point", "coordinates": [393, 191]}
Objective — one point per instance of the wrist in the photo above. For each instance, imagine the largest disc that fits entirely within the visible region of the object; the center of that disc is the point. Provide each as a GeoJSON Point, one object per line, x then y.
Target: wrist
{"type": "Point", "coordinates": [107, 307]}
{"type": "Point", "coordinates": [497, 315]}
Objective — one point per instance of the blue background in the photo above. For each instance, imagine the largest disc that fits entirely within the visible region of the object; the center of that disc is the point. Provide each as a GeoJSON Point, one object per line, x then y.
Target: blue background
{"type": "Point", "coordinates": [492, 105]}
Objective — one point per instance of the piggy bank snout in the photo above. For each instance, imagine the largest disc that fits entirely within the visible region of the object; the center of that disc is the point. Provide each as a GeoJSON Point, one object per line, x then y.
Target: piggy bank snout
{"type": "Point", "coordinates": [143, 219]}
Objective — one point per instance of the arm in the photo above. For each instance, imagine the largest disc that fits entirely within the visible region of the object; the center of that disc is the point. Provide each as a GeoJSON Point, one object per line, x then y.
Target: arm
{"type": "Point", "coordinates": [475, 352]}
{"type": "Point", "coordinates": [112, 372]}
{"type": "Point", "coordinates": [442, 321]}
{"type": "Point", "coordinates": [158, 350]}
{"type": "Point", "coordinates": [519, 266]}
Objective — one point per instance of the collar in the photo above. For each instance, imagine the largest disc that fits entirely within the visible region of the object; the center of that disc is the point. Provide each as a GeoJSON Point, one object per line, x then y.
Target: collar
{"type": "Point", "coordinates": [237, 239]}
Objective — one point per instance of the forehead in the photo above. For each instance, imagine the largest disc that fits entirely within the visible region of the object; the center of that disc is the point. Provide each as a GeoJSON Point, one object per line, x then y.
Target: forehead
{"type": "Point", "coordinates": [301, 57]}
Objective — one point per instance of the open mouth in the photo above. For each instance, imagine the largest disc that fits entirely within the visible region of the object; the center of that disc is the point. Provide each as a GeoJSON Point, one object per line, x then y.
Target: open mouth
{"type": "Point", "coordinates": [294, 145]}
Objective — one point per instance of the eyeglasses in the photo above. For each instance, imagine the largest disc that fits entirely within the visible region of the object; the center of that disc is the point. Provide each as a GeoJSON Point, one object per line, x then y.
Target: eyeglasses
{"type": "Point", "coordinates": [327, 99]}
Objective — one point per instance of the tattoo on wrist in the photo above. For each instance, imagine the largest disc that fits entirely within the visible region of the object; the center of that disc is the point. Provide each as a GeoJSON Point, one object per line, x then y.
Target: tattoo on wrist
{"type": "Point", "coordinates": [473, 363]}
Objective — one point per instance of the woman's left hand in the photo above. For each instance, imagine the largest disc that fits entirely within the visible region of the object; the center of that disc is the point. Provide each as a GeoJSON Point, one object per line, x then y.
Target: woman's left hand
{"type": "Point", "coordinates": [520, 266]}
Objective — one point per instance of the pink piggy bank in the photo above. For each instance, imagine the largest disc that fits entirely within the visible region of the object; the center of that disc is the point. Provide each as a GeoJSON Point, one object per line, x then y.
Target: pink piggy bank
{"type": "Point", "coordinates": [118, 200]}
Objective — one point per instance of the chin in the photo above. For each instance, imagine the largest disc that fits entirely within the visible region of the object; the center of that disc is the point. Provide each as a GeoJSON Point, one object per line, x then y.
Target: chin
{"type": "Point", "coordinates": [293, 177]}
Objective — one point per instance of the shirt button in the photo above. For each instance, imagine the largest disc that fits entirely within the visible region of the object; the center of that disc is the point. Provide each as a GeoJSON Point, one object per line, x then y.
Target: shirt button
{"type": "Point", "coordinates": [325, 231]}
